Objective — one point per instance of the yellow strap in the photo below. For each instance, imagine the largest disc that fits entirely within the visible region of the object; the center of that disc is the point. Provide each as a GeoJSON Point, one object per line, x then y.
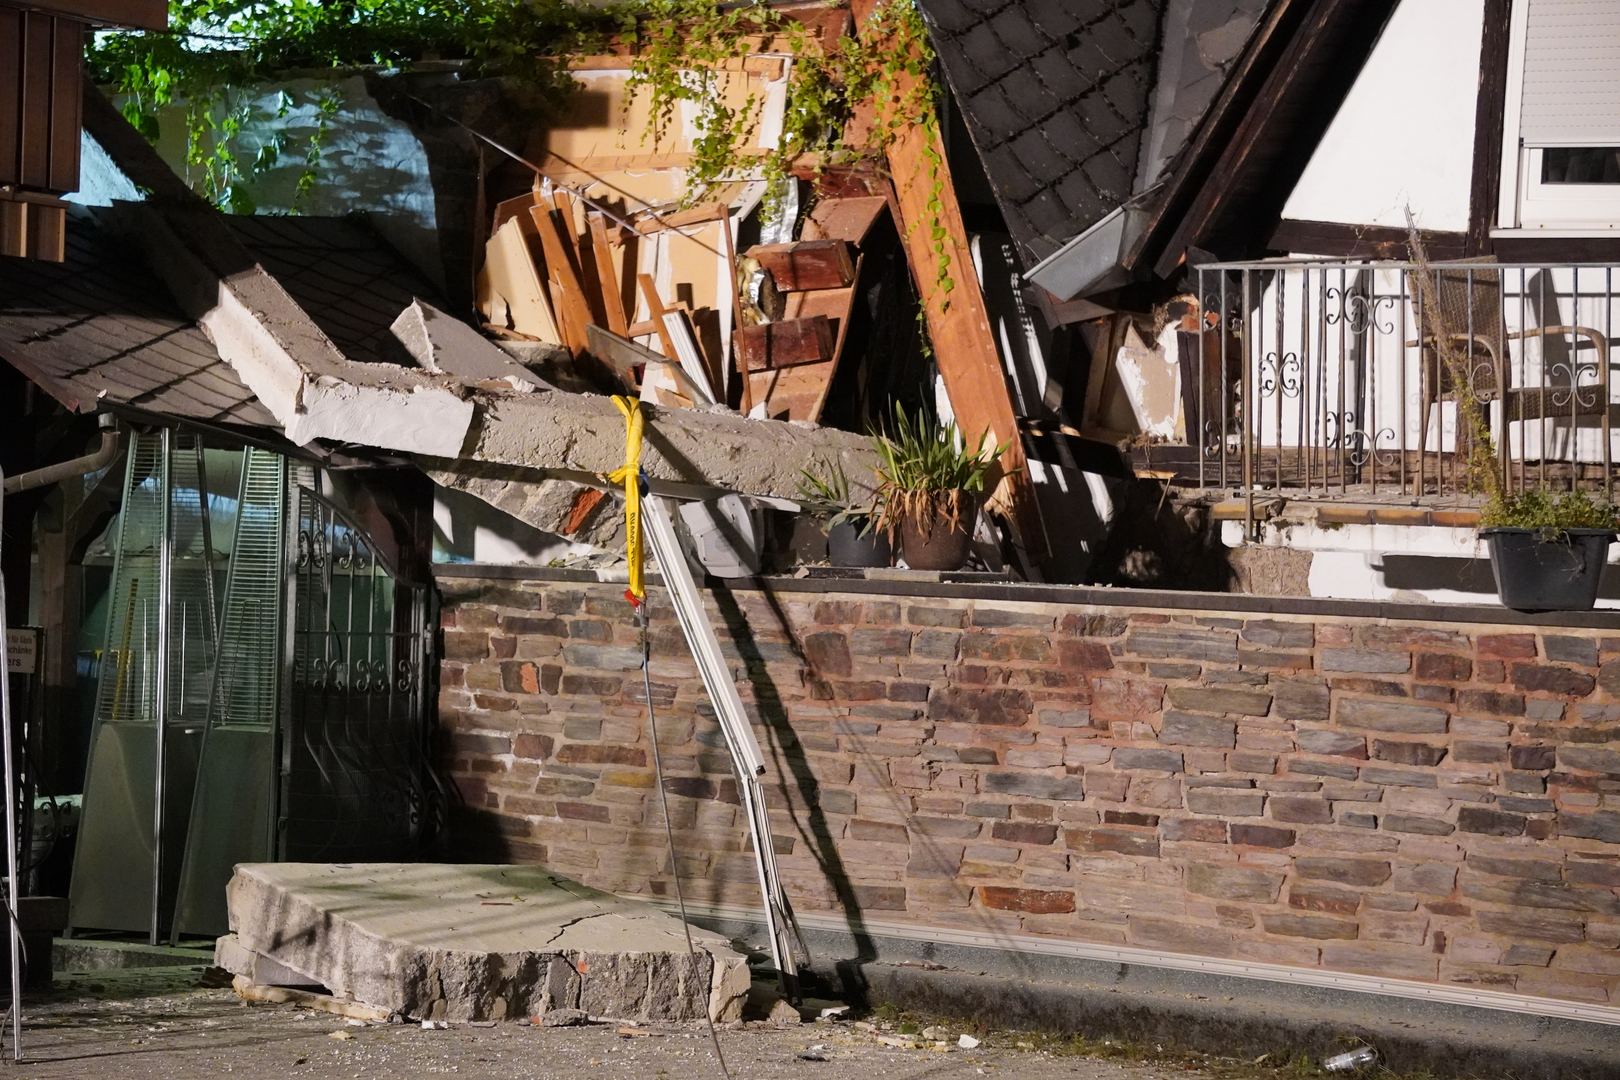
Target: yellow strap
{"type": "Point", "coordinates": [629, 477]}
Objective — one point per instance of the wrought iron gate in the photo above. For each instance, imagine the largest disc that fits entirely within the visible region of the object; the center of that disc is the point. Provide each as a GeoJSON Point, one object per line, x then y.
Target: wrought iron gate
{"type": "Point", "coordinates": [356, 781]}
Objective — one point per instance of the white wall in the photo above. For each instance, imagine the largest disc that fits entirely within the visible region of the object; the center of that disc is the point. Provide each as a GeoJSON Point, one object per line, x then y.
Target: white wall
{"type": "Point", "coordinates": [1405, 134]}
{"type": "Point", "coordinates": [369, 161]}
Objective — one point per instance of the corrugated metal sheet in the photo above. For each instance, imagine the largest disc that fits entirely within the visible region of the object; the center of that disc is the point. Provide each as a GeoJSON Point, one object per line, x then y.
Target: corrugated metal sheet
{"type": "Point", "coordinates": [1571, 74]}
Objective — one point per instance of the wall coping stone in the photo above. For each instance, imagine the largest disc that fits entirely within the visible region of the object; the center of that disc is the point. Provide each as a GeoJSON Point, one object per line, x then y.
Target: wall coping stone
{"type": "Point", "coordinates": [734, 916]}
{"type": "Point", "coordinates": [995, 588]}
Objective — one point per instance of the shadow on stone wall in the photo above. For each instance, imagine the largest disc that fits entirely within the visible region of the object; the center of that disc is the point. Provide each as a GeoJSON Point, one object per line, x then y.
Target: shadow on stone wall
{"type": "Point", "coordinates": [784, 748]}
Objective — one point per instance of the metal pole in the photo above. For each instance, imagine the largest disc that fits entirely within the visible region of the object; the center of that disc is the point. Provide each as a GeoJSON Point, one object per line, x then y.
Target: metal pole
{"type": "Point", "coordinates": [11, 832]}
{"type": "Point", "coordinates": [745, 753]}
{"type": "Point", "coordinates": [165, 556]}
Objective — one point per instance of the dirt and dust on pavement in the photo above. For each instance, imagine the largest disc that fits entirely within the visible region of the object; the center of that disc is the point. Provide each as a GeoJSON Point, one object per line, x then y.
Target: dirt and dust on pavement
{"type": "Point", "coordinates": [163, 1024]}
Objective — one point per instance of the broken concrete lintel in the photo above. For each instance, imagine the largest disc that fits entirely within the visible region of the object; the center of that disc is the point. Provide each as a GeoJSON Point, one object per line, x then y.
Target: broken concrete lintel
{"type": "Point", "coordinates": [445, 345]}
{"type": "Point", "coordinates": [547, 501]}
{"type": "Point", "coordinates": [422, 420]}
{"type": "Point", "coordinates": [281, 355]}
{"type": "Point", "coordinates": [718, 451]}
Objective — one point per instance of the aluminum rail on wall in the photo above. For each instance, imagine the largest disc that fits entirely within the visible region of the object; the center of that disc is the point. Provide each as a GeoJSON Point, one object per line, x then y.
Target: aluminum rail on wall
{"type": "Point", "coordinates": [11, 826]}
{"type": "Point", "coordinates": [745, 753]}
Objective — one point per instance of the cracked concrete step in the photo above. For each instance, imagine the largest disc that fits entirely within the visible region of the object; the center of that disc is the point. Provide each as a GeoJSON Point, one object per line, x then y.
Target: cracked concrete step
{"type": "Point", "coordinates": [434, 941]}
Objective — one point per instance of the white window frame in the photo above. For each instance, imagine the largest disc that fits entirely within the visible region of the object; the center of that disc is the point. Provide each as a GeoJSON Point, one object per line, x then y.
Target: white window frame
{"type": "Point", "coordinates": [1524, 203]}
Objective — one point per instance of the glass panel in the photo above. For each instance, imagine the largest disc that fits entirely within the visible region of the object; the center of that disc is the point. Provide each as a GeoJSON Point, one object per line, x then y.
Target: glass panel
{"type": "Point", "coordinates": [1580, 165]}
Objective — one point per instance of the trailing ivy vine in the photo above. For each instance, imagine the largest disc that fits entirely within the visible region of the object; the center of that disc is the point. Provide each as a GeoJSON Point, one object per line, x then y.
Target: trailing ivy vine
{"type": "Point", "coordinates": [221, 52]}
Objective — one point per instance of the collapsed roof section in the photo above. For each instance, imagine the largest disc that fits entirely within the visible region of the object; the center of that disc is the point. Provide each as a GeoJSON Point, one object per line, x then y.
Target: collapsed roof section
{"type": "Point", "coordinates": [169, 307]}
{"type": "Point", "coordinates": [100, 326]}
{"type": "Point", "coordinates": [1056, 96]}
{"type": "Point", "coordinates": [1223, 193]}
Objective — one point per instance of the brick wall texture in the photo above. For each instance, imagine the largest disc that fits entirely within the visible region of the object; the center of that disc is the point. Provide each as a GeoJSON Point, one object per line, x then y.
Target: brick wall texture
{"type": "Point", "coordinates": [1421, 801]}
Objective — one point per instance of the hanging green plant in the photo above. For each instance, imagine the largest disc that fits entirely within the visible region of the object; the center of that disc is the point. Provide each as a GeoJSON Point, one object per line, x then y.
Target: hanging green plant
{"type": "Point", "coordinates": [221, 50]}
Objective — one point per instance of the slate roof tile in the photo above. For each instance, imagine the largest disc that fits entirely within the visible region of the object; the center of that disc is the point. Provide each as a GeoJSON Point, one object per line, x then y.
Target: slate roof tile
{"type": "Point", "coordinates": [1055, 18]}
{"type": "Point", "coordinates": [1044, 164]}
{"type": "Point", "coordinates": [1018, 34]}
{"type": "Point", "coordinates": [1035, 82]}
{"type": "Point", "coordinates": [952, 16]}
{"type": "Point", "coordinates": [1063, 80]}
{"type": "Point", "coordinates": [102, 321]}
{"type": "Point", "coordinates": [1029, 96]}
{"type": "Point", "coordinates": [1012, 183]}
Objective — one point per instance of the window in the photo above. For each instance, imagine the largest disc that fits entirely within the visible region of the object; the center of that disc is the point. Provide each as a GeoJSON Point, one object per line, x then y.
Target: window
{"type": "Point", "coordinates": [1561, 145]}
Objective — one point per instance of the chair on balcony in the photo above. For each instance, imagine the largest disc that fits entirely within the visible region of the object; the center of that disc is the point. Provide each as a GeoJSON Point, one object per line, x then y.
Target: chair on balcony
{"type": "Point", "coordinates": [1470, 317]}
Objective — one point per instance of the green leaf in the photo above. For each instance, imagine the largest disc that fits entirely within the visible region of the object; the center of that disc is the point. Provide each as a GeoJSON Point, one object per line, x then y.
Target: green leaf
{"type": "Point", "coordinates": [240, 201]}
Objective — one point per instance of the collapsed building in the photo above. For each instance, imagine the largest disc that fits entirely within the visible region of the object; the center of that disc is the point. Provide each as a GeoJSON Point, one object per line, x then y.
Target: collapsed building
{"type": "Point", "coordinates": [343, 582]}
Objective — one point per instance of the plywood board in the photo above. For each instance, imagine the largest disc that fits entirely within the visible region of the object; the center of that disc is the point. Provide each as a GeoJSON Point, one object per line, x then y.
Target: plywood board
{"type": "Point", "coordinates": [509, 260]}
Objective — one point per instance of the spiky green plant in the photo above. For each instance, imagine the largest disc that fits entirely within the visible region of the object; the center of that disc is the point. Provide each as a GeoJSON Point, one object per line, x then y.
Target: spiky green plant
{"type": "Point", "coordinates": [826, 493]}
{"type": "Point", "coordinates": [926, 472]}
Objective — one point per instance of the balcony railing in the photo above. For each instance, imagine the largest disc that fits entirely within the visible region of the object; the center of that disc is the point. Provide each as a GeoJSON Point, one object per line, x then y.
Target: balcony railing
{"type": "Point", "coordinates": [1340, 379]}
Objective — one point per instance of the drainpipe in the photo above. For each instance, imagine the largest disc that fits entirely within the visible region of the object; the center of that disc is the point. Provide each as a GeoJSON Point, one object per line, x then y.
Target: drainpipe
{"type": "Point", "coordinates": [111, 442]}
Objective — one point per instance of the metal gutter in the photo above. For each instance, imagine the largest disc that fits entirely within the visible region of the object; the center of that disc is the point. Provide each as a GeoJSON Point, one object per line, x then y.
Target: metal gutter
{"type": "Point", "coordinates": [111, 443]}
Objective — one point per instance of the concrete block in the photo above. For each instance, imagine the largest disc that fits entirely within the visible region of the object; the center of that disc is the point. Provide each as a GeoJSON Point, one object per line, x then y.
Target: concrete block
{"type": "Point", "coordinates": [446, 942]}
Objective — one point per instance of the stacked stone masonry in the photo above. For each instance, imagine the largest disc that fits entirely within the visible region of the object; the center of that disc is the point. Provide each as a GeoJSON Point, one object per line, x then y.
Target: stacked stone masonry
{"type": "Point", "coordinates": [1438, 802]}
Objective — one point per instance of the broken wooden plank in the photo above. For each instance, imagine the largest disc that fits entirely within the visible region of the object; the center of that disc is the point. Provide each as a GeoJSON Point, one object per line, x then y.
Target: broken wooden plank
{"type": "Point", "coordinates": [697, 215]}
{"type": "Point", "coordinates": [509, 261]}
{"type": "Point", "coordinates": [567, 291]}
{"type": "Point", "coordinates": [806, 264]}
{"type": "Point", "coordinates": [612, 297]}
{"type": "Point", "coordinates": [958, 322]}
{"type": "Point", "coordinates": [799, 393]}
{"type": "Point", "coordinates": [774, 345]}
{"type": "Point", "coordinates": [655, 313]}
{"type": "Point", "coordinates": [739, 303]}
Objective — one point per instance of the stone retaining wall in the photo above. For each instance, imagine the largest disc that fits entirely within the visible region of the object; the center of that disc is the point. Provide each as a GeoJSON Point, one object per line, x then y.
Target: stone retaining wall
{"type": "Point", "coordinates": [1419, 801]}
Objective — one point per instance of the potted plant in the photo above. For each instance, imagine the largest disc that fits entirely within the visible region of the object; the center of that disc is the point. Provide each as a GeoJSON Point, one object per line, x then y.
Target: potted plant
{"type": "Point", "coordinates": [850, 523]}
{"type": "Point", "coordinates": [928, 483]}
{"type": "Point", "coordinates": [1548, 552]}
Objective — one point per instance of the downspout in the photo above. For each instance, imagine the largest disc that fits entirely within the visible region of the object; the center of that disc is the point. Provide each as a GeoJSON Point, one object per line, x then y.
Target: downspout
{"type": "Point", "coordinates": [111, 442]}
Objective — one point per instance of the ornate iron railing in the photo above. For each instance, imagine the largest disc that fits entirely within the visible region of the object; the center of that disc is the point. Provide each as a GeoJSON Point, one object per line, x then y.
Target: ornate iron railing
{"type": "Point", "coordinates": [1360, 378]}
{"type": "Point", "coordinates": [356, 775]}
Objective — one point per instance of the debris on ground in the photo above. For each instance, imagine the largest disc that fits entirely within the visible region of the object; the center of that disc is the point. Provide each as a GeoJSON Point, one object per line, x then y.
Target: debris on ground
{"type": "Point", "coordinates": [160, 1024]}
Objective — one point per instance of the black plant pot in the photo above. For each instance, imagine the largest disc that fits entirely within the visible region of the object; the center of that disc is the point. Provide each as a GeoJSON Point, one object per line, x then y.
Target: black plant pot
{"type": "Point", "coordinates": [940, 547]}
{"type": "Point", "coordinates": [1541, 571]}
{"type": "Point", "coordinates": [846, 547]}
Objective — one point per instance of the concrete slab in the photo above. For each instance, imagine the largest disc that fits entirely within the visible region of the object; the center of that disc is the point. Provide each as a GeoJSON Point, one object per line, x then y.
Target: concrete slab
{"type": "Point", "coordinates": [89, 954]}
{"type": "Point", "coordinates": [433, 941]}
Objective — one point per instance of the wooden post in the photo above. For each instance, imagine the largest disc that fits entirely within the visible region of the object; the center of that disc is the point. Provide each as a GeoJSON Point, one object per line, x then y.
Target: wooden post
{"type": "Point", "coordinates": [958, 322]}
